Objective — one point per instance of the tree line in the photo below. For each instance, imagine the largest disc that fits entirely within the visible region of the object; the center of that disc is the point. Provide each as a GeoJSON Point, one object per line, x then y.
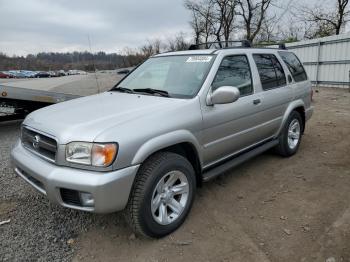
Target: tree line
{"type": "Point", "coordinates": [87, 61]}
{"type": "Point", "coordinates": [51, 61]}
{"type": "Point", "coordinates": [259, 21]}
{"type": "Point", "coordinates": [265, 21]}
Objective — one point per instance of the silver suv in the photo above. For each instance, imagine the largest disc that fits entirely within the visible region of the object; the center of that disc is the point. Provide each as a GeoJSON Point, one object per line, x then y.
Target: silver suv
{"type": "Point", "coordinates": [177, 120]}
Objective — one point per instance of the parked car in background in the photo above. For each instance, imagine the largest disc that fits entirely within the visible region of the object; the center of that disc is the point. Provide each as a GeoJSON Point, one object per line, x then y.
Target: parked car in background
{"type": "Point", "coordinates": [18, 73]}
{"type": "Point", "coordinates": [52, 73]}
{"type": "Point", "coordinates": [42, 74]}
{"type": "Point", "coordinates": [76, 72]}
{"type": "Point", "coordinates": [61, 73]}
{"type": "Point", "coordinates": [5, 74]}
{"type": "Point", "coordinates": [28, 74]}
{"type": "Point", "coordinates": [72, 72]}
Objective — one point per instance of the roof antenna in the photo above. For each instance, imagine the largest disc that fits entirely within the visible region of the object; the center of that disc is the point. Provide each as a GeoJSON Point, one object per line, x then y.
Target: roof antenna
{"type": "Point", "coordinates": [93, 64]}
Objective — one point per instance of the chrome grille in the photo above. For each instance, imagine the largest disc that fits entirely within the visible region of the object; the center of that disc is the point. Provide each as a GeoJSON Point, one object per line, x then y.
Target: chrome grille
{"type": "Point", "coordinates": [40, 144]}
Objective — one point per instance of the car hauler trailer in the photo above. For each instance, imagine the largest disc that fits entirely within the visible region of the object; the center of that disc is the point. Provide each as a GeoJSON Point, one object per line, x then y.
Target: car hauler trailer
{"type": "Point", "coordinates": [17, 102]}
{"type": "Point", "coordinates": [19, 97]}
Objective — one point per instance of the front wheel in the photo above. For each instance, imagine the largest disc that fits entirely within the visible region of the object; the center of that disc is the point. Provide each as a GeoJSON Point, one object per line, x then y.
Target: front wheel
{"type": "Point", "coordinates": [290, 137]}
{"type": "Point", "coordinates": [162, 195]}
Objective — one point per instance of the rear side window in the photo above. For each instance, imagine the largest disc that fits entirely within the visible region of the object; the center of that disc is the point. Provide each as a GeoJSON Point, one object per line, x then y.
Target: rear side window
{"type": "Point", "coordinates": [294, 66]}
{"type": "Point", "coordinates": [270, 71]}
{"type": "Point", "coordinates": [234, 71]}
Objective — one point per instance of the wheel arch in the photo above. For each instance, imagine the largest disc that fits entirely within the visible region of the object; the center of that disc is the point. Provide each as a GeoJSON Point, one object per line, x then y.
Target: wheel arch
{"type": "Point", "coordinates": [181, 142]}
{"type": "Point", "coordinates": [297, 105]}
{"type": "Point", "coordinates": [301, 111]}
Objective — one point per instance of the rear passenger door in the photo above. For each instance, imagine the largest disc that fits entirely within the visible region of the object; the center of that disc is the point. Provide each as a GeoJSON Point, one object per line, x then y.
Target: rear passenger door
{"type": "Point", "coordinates": [276, 91]}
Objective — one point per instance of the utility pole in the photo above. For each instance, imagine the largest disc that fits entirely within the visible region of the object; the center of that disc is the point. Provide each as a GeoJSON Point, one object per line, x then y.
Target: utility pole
{"type": "Point", "coordinates": [94, 67]}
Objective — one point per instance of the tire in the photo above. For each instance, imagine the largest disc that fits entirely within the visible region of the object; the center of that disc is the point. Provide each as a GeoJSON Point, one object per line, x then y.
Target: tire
{"type": "Point", "coordinates": [143, 213]}
{"type": "Point", "coordinates": [290, 138]}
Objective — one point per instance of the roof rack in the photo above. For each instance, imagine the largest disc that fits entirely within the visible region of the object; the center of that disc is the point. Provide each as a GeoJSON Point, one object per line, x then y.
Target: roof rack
{"type": "Point", "coordinates": [221, 45]}
{"type": "Point", "coordinates": [235, 44]}
{"type": "Point", "coordinates": [282, 46]}
{"type": "Point", "coordinates": [273, 46]}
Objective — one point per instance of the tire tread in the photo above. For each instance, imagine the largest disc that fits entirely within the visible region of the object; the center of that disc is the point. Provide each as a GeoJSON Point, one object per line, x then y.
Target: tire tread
{"type": "Point", "coordinates": [282, 147]}
{"type": "Point", "coordinates": [138, 190]}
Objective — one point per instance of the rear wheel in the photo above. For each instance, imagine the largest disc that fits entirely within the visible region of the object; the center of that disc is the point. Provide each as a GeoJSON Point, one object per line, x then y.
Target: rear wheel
{"type": "Point", "coordinates": [290, 137]}
{"type": "Point", "coordinates": [162, 195]}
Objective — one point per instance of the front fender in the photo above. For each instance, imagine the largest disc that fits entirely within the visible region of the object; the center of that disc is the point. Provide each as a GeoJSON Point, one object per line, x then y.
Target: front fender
{"type": "Point", "coordinates": [293, 105]}
{"type": "Point", "coordinates": [163, 141]}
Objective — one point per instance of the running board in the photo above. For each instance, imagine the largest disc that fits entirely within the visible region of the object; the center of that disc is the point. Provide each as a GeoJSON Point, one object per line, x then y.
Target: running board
{"type": "Point", "coordinates": [216, 171]}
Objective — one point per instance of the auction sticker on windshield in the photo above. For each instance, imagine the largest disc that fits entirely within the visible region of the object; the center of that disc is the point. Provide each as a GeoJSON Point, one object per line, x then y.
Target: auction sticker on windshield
{"type": "Point", "coordinates": [199, 59]}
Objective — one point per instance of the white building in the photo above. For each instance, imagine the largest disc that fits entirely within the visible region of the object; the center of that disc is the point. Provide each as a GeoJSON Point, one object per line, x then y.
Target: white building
{"type": "Point", "coordinates": [326, 60]}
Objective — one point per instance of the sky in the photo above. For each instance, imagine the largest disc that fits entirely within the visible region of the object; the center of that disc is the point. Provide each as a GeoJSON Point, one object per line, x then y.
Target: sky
{"type": "Point", "coordinates": [32, 26]}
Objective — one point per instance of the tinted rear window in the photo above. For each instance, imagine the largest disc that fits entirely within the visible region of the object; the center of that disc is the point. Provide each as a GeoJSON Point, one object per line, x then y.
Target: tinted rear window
{"type": "Point", "coordinates": [294, 66]}
{"type": "Point", "coordinates": [270, 71]}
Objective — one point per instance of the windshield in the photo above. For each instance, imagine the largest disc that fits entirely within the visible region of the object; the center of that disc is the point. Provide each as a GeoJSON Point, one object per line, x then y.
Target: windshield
{"type": "Point", "coordinates": [180, 76]}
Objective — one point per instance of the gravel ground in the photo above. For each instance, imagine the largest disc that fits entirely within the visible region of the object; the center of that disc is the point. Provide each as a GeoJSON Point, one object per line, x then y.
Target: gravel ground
{"type": "Point", "coordinates": [37, 230]}
{"type": "Point", "coordinates": [268, 209]}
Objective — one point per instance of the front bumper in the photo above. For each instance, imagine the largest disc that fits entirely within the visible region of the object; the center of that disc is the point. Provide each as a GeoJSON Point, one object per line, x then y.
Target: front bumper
{"type": "Point", "coordinates": [110, 190]}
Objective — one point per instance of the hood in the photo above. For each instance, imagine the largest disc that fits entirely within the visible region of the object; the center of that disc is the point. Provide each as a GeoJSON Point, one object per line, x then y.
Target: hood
{"type": "Point", "coordinates": [83, 119]}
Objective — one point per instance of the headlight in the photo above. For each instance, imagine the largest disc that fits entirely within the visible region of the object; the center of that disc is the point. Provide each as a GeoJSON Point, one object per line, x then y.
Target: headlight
{"type": "Point", "coordinates": [93, 154]}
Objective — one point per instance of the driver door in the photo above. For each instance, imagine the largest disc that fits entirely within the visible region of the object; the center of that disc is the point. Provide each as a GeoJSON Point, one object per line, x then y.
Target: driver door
{"type": "Point", "coordinates": [229, 128]}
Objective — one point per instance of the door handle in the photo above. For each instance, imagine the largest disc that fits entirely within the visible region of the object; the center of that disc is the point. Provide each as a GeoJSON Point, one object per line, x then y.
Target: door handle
{"type": "Point", "coordinates": [256, 101]}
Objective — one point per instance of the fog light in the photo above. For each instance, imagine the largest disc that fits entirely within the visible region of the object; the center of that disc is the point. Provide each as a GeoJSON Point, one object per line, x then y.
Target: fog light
{"type": "Point", "coordinates": [87, 199]}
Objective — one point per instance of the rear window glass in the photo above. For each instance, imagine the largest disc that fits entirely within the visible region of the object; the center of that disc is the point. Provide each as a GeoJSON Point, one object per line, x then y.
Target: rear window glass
{"type": "Point", "coordinates": [270, 71]}
{"type": "Point", "coordinates": [294, 66]}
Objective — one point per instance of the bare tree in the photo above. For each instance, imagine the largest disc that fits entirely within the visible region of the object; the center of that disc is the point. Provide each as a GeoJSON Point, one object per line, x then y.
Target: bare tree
{"type": "Point", "coordinates": [253, 13]}
{"type": "Point", "coordinates": [325, 22]}
{"type": "Point", "coordinates": [268, 33]}
{"type": "Point", "coordinates": [203, 20]}
{"type": "Point", "coordinates": [197, 20]}
{"type": "Point", "coordinates": [212, 19]}
{"type": "Point", "coordinates": [292, 31]}
{"type": "Point", "coordinates": [177, 43]}
{"type": "Point", "coordinates": [342, 14]}
{"type": "Point", "coordinates": [151, 48]}
{"type": "Point", "coordinates": [225, 16]}
{"type": "Point", "coordinates": [208, 23]}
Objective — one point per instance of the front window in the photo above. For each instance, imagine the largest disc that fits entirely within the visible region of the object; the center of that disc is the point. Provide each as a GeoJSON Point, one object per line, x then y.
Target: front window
{"type": "Point", "coordinates": [180, 76]}
{"type": "Point", "coordinates": [234, 71]}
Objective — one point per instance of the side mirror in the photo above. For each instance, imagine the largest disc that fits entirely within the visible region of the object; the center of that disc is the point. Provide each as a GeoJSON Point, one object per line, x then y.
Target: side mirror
{"type": "Point", "coordinates": [223, 95]}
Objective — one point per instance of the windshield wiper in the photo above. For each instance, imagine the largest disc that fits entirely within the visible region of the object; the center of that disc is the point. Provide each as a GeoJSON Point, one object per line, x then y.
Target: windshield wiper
{"type": "Point", "coordinates": [152, 91]}
{"type": "Point", "coordinates": [122, 89]}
